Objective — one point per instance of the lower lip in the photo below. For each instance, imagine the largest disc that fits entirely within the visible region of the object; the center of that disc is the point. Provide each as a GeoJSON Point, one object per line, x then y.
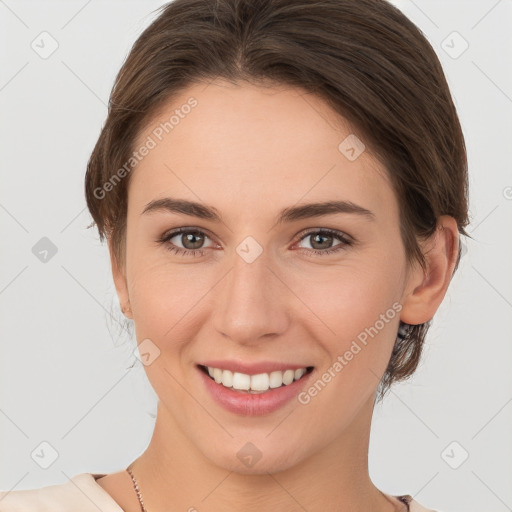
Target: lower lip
{"type": "Point", "coordinates": [248, 404]}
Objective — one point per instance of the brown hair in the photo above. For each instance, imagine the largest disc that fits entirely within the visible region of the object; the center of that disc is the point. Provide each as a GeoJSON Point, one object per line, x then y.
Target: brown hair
{"type": "Point", "coordinates": [364, 58]}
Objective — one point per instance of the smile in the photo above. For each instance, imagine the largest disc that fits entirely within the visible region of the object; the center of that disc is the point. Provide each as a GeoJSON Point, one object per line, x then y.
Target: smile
{"type": "Point", "coordinates": [258, 383]}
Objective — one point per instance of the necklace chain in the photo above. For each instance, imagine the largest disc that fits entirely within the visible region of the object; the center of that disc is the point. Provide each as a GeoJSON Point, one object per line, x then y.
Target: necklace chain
{"type": "Point", "coordinates": [143, 508]}
{"type": "Point", "coordinates": [137, 490]}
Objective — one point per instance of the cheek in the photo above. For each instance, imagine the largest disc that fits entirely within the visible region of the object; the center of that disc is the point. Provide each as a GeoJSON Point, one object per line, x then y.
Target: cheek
{"type": "Point", "coordinates": [360, 314]}
{"type": "Point", "coordinates": [167, 310]}
{"type": "Point", "coordinates": [355, 313]}
{"type": "Point", "coordinates": [352, 295]}
{"type": "Point", "coordinates": [164, 298]}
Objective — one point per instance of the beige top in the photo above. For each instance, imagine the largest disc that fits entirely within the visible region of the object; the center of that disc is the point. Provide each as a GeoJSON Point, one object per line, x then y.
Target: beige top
{"type": "Point", "coordinates": [82, 494]}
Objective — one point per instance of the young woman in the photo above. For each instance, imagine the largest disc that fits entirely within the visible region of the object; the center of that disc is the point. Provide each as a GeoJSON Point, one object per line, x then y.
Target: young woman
{"type": "Point", "coordinates": [282, 186]}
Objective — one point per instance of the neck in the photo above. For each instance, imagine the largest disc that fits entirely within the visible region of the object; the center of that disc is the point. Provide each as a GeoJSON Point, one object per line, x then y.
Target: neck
{"type": "Point", "coordinates": [172, 474]}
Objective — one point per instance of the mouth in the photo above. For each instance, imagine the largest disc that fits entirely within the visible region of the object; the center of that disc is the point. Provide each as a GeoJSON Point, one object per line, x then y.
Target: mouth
{"type": "Point", "coordinates": [255, 383]}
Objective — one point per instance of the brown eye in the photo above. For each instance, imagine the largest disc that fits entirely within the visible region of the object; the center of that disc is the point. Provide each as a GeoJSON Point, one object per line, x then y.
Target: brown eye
{"type": "Point", "coordinates": [192, 240]}
{"type": "Point", "coordinates": [322, 241]}
{"type": "Point", "coordinates": [186, 241]}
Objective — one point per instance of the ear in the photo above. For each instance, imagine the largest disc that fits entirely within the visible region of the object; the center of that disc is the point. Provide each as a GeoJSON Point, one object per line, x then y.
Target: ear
{"type": "Point", "coordinates": [119, 276]}
{"type": "Point", "coordinates": [425, 290]}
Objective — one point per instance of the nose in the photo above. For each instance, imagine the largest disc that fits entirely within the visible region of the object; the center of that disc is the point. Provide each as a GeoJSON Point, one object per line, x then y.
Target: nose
{"type": "Point", "coordinates": [251, 302]}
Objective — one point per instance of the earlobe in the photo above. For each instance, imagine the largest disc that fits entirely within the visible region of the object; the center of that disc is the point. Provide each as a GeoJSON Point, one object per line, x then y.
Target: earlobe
{"type": "Point", "coordinates": [119, 277]}
{"type": "Point", "coordinates": [426, 289]}
{"type": "Point", "coordinates": [127, 312]}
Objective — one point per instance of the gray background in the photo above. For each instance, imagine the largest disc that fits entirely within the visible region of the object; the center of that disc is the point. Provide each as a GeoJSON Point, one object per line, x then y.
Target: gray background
{"type": "Point", "coordinates": [65, 361]}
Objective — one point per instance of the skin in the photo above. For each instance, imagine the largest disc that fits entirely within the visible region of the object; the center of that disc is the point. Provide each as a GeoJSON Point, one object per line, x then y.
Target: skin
{"type": "Point", "coordinates": [251, 151]}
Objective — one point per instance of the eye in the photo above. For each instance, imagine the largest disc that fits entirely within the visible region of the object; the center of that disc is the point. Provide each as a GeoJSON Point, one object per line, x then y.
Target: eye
{"type": "Point", "coordinates": [321, 241]}
{"type": "Point", "coordinates": [191, 239]}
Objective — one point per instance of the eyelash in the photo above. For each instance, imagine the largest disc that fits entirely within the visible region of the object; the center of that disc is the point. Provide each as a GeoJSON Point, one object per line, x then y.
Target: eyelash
{"type": "Point", "coordinates": [344, 239]}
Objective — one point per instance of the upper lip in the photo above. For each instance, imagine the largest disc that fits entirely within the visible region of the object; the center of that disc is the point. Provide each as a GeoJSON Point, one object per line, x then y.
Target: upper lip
{"type": "Point", "coordinates": [253, 368]}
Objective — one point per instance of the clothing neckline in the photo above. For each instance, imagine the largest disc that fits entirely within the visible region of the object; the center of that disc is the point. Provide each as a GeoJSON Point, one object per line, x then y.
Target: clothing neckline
{"type": "Point", "coordinates": [405, 498]}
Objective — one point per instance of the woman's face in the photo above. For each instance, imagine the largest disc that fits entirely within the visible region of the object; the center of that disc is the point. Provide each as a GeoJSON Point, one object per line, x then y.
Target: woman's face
{"type": "Point", "coordinates": [315, 287]}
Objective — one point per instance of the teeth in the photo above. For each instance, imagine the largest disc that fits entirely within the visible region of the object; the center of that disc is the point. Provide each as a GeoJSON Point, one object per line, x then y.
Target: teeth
{"type": "Point", "coordinates": [299, 373]}
{"type": "Point", "coordinates": [217, 375]}
{"type": "Point", "coordinates": [255, 383]}
{"type": "Point", "coordinates": [260, 382]}
{"type": "Point", "coordinates": [240, 380]}
{"type": "Point", "coordinates": [276, 379]}
{"type": "Point", "coordinates": [227, 378]}
{"type": "Point", "coordinates": [288, 376]}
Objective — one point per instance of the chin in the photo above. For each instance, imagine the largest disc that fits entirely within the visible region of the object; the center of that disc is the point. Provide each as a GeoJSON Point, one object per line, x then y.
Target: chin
{"type": "Point", "coordinates": [249, 460]}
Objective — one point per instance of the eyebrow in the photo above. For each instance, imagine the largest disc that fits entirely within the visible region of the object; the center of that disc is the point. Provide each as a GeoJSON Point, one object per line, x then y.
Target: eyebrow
{"type": "Point", "coordinates": [289, 214]}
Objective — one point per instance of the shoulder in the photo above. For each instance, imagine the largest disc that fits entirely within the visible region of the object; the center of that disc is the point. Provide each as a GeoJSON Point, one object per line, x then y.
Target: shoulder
{"type": "Point", "coordinates": [80, 494]}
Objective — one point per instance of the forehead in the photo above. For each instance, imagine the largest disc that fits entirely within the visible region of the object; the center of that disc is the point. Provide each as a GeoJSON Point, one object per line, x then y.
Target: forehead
{"type": "Point", "coordinates": [251, 145]}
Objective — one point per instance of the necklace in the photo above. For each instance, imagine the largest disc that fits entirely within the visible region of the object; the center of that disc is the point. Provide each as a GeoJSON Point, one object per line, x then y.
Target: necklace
{"type": "Point", "coordinates": [137, 490]}
{"type": "Point", "coordinates": [403, 499]}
